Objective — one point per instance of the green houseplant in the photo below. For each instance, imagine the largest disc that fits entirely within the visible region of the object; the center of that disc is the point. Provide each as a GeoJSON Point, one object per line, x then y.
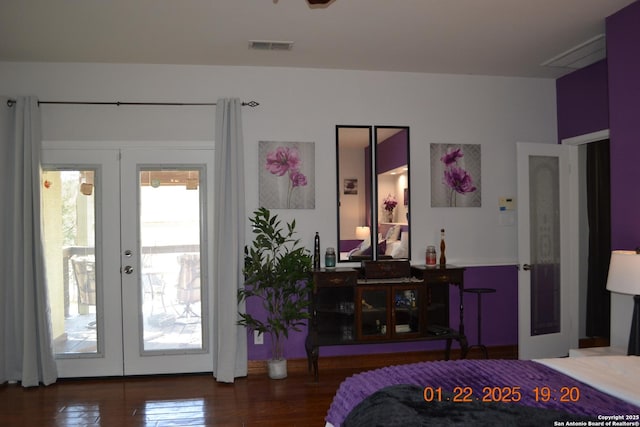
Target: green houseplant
{"type": "Point", "coordinates": [277, 271]}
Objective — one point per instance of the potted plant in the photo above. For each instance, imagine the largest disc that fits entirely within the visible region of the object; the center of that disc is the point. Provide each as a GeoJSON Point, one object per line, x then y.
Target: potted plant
{"type": "Point", "coordinates": [277, 271]}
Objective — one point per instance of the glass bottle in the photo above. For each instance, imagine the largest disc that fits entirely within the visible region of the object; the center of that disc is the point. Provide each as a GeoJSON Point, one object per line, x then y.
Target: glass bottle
{"type": "Point", "coordinates": [330, 258]}
{"type": "Point", "coordinates": [316, 252]}
{"type": "Point", "coordinates": [443, 257]}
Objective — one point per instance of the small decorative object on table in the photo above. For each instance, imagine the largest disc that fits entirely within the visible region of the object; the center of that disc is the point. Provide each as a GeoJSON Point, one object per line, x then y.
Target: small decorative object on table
{"type": "Point", "coordinates": [330, 258]}
{"type": "Point", "coordinates": [443, 257]}
{"type": "Point", "coordinates": [316, 252]}
{"type": "Point", "coordinates": [430, 260]}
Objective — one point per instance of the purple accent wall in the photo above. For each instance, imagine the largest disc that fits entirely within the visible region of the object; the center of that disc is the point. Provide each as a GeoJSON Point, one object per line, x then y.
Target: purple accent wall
{"type": "Point", "coordinates": [623, 46]}
{"type": "Point", "coordinates": [392, 152]}
{"type": "Point", "coordinates": [583, 101]}
{"type": "Point", "coordinates": [499, 319]}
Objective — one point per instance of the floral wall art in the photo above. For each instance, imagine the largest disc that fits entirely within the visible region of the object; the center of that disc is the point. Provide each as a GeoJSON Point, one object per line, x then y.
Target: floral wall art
{"type": "Point", "coordinates": [287, 175]}
{"type": "Point", "coordinates": [455, 175]}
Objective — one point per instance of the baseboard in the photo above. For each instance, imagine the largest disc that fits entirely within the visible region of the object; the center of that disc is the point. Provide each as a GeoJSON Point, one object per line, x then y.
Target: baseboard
{"type": "Point", "coordinates": [593, 342]}
{"type": "Point", "coordinates": [379, 360]}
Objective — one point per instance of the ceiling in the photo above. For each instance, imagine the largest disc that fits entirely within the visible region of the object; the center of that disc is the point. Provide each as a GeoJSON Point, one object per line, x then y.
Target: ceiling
{"type": "Point", "coordinates": [487, 37]}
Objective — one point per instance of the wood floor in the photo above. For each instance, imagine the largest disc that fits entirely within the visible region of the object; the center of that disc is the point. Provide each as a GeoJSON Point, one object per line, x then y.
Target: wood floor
{"type": "Point", "coordinates": [191, 400]}
{"type": "Point", "coordinates": [195, 400]}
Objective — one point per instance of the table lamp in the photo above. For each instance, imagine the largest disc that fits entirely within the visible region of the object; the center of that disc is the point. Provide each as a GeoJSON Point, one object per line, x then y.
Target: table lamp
{"type": "Point", "coordinates": [624, 278]}
{"type": "Point", "coordinates": [363, 233]}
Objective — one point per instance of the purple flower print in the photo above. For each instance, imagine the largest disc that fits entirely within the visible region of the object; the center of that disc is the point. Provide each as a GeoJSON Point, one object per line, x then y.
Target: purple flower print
{"type": "Point", "coordinates": [452, 156]}
{"type": "Point", "coordinates": [458, 180]}
{"type": "Point", "coordinates": [297, 178]}
{"type": "Point", "coordinates": [283, 160]}
{"type": "Point", "coordinates": [286, 160]}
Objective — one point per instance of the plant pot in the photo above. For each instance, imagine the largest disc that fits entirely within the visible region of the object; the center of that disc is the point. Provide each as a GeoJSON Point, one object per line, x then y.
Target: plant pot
{"type": "Point", "coordinates": [277, 368]}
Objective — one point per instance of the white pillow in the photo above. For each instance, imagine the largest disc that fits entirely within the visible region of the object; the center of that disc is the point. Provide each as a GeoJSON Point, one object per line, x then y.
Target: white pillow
{"type": "Point", "coordinates": [359, 250]}
{"type": "Point", "coordinates": [400, 250]}
{"type": "Point", "coordinates": [393, 233]}
{"type": "Point", "coordinates": [392, 246]}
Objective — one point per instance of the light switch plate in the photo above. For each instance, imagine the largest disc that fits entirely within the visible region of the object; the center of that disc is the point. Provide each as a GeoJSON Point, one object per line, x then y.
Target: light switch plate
{"type": "Point", "coordinates": [507, 204]}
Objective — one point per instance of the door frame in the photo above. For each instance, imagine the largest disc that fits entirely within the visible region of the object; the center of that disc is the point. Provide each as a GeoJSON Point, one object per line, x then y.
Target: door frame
{"type": "Point", "coordinates": [86, 365]}
{"type": "Point", "coordinates": [620, 315]}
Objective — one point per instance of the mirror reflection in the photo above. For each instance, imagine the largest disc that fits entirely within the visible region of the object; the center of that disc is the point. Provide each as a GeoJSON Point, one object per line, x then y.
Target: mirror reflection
{"type": "Point", "coordinates": [392, 173]}
{"type": "Point", "coordinates": [373, 207]}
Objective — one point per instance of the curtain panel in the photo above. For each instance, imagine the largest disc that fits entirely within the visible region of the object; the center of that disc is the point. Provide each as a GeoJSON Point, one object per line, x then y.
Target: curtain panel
{"type": "Point", "coordinates": [26, 351]}
{"type": "Point", "coordinates": [230, 340]}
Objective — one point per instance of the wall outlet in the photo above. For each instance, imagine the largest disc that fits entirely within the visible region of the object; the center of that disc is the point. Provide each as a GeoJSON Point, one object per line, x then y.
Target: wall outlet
{"type": "Point", "coordinates": [258, 338]}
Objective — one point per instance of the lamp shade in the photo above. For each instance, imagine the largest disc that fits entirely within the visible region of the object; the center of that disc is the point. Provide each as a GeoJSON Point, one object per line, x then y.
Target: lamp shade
{"type": "Point", "coordinates": [624, 273]}
{"type": "Point", "coordinates": [363, 233]}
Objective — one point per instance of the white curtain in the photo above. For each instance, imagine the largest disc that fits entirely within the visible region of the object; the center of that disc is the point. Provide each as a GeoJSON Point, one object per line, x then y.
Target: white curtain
{"type": "Point", "coordinates": [230, 340]}
{"type": "Point", "coordinates": [26, 352]}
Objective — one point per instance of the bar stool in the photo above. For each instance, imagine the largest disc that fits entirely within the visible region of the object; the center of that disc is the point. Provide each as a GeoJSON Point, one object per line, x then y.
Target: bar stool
{"type": "Point", "coordinates": [479, 292]}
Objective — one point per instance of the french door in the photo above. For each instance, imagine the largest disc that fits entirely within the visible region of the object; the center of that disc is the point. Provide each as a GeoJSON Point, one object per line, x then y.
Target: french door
{"type": "Point", "coordinates": [128, 235]}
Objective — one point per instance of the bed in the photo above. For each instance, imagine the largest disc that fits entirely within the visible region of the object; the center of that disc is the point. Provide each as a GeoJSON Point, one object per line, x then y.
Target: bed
{"type": "Point", "coordinates": [393, 243]}
{"type": "Point", "coordinates": [563, 391]}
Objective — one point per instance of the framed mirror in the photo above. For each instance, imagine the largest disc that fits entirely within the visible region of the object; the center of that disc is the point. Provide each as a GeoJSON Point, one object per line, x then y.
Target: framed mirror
{"type": "Point", "coordinates": [373, 208]}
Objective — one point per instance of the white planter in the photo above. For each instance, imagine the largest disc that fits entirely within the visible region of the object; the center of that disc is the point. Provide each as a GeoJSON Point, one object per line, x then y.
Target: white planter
{"type": "Point", "coordinates": [277, 369]}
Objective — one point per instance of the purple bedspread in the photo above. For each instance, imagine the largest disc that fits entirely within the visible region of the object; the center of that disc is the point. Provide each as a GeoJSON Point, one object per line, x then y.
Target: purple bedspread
{"type": "Point", "coordinates": [477, 374]}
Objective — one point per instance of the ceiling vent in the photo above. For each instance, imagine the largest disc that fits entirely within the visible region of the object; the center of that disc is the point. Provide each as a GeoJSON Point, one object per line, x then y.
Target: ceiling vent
{"type": "Point", "coordinates": [269, 45]}
{"type": "Point", "coordinates": [593, 50]}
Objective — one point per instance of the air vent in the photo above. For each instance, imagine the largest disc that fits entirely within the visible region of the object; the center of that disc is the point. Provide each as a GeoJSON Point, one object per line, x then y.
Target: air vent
{"type": "Point", "coordinates": [580, 56]}
{"type": "Point", "coordinates": [269, 45]}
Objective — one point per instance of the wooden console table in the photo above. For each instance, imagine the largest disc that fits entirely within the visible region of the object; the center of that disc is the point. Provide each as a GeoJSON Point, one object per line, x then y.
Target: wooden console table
{"type": "Point", "coordinates": [347, 308]}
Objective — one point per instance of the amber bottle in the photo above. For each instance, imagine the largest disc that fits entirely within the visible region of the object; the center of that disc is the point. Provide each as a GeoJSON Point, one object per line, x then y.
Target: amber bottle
{"type": "Point", "coordinates": [443, 257]}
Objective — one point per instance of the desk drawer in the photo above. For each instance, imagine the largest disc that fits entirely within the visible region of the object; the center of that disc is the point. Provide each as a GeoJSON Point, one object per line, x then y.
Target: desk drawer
{"type": "Point", "coordinates": [443, 276]}
{"type": "Point", "coordinates": [335, 278]}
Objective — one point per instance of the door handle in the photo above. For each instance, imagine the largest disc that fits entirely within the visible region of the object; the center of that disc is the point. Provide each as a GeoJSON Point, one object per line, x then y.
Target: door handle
{"type": "Point", "coordinates": [526, 267]}
{"type": "Point", "coordinates": [128, 269]}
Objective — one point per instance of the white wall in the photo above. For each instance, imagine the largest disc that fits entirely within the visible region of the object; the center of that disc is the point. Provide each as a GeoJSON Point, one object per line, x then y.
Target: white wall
{"type": "Point", "coordinates": [305, 105]}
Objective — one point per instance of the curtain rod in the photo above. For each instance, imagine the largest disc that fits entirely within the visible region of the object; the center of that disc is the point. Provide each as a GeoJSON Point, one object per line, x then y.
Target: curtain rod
{"type": "Point", "coordinates": [251, 104]}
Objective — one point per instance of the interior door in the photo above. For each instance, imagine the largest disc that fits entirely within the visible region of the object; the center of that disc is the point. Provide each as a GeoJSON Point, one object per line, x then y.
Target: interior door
{"type": "Point", "coordinates": [127, 246]}
{"type": "Point", "coordinates": [547, 278]}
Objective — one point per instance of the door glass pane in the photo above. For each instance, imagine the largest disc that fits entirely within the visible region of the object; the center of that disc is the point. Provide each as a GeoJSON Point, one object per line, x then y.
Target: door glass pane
{"type": "Point", "coordinates": [68, 203]}
{"type": "Point", "coordinates": [170, 234]}
{"type": "Point", "coordinates": [335, 310]}
{"type": "Point", "coordinates": [544, 183]}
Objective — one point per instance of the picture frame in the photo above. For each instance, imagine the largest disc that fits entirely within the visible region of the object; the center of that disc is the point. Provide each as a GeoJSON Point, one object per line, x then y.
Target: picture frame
{"type": "Point", "coordinates": [350, 186]}
{"type": "Point", "coordinates": [286, 174]}
{"type": "Point", "coordinates": [456, 175]}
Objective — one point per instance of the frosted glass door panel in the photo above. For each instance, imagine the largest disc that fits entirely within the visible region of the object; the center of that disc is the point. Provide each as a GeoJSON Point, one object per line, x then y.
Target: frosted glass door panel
{"type": "Point", "coordinates": [544, 182]}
